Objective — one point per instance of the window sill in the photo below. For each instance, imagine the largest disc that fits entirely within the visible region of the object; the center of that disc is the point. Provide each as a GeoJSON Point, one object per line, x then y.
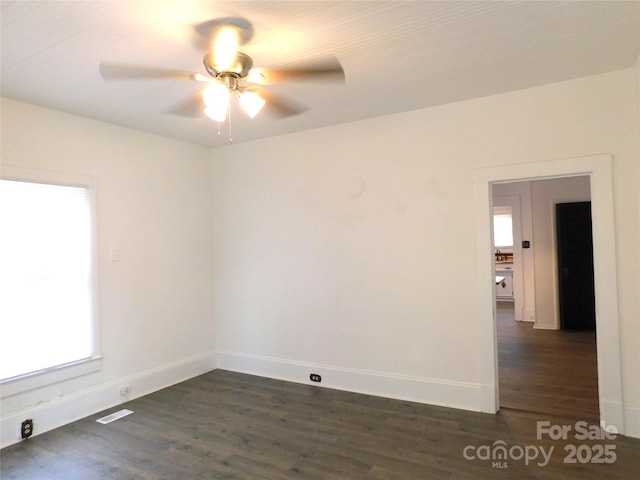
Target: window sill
{"type": "Point", "coordinates": [49, 376]}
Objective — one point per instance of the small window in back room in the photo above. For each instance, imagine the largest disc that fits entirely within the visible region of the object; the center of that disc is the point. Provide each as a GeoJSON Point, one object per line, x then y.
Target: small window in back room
{"type": "Point", "coordinates": [502, 227]}
{"type": "Point", "coordinates": [46, 277]}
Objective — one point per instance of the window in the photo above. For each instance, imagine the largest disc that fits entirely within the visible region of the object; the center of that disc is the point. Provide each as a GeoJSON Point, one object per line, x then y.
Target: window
{"type": "Point", "coordinates": [502, 227]}
{"type": "Point", "coordinates": [47, 272]}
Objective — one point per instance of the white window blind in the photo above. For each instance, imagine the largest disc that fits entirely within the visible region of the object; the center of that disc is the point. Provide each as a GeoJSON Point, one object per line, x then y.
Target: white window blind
{"type": "Point", "coordinates": [45, 276]}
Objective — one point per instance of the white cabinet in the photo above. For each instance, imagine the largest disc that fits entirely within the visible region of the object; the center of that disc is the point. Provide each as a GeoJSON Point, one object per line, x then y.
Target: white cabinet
{"type": "Point", "coordinates": [504, 288]}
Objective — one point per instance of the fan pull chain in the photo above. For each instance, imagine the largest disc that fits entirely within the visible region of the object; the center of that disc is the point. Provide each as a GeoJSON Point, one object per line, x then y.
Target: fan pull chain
{"type": "Point", "coordinates": [229, 118]}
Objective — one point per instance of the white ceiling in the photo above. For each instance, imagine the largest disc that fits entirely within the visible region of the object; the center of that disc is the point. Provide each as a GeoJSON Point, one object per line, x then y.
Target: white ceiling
{"type": "Point", "coordinates": [397, 55]}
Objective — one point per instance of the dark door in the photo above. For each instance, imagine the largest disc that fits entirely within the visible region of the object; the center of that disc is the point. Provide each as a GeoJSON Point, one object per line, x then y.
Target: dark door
{"type": "Point", "coordinates": [575, 266]}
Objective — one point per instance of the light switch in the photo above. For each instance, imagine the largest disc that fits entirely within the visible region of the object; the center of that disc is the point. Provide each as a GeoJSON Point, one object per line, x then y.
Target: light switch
{"type": "Point", "coordinates": [115, 255]}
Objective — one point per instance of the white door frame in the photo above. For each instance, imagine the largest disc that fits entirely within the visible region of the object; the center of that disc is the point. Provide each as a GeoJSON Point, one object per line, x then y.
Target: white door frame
{"type": "Point", "coordinates": [599, 170]}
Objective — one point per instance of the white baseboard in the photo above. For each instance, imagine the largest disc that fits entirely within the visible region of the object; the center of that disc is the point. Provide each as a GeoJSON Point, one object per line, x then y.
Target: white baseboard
{"type": "Point", "coordinates": [632, 422]}
{"type": "Point", "coordinates": [466, 396]}
{"type": "Point", "coordinates": [538, 326]}
{"type": "Point", "coordinates": [612, 415]}
{"type": "Point", "coordinates": [58, 412]}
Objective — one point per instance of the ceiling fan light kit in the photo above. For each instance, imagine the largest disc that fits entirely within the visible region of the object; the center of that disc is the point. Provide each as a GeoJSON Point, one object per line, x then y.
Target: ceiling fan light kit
{"type": "Point", "coordinates": [251, 102]}
{"type": "Point", "coordinates": [230, 74]}
{"type": "Point", "coordinates": [216, 98]}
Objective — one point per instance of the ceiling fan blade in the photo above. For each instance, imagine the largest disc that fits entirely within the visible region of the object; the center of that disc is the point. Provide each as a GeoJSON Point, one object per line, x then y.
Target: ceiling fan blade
{"type": "Point", "coordinates": [192, 107]}
{"type": "Point", "coordinates": [278, 105]}
{"type": "Point", "coordinates": [122, 71]}
{"type": "Point", "coordinates": [328, 70]}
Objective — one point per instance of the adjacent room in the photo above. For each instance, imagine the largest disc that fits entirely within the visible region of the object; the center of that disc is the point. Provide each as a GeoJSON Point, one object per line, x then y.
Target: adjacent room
{"type": "Point", "coordinates": [256, 239]}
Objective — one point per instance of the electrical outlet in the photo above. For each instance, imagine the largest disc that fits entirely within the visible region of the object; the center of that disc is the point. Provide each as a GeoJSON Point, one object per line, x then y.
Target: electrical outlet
{"type": "Point", "coordinates": [26, 429]}
{"type": "Point", "coordinates": [314, 377]}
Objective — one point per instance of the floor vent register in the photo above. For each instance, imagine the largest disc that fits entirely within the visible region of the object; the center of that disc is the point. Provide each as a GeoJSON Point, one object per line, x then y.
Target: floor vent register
{"type": "Point", "coordinates": [114, 416]}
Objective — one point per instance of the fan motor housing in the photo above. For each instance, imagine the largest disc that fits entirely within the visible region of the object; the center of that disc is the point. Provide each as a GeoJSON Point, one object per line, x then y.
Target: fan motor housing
{"type": "Point", "coordinates": [242, 67]}
{"type": "Point", "coordinates": [229, 79]}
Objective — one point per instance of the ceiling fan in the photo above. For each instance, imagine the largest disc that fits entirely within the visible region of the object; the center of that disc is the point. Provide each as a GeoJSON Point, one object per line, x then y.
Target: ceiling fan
{"type": "Point", "coordinates": [230, 75]}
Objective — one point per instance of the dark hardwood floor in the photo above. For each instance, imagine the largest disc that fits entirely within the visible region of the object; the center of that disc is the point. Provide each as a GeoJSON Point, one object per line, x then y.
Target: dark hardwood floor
{"type": "Point", "coordinates": [225, 425]}
{"type": "Point", "coordinates": [546, 371]}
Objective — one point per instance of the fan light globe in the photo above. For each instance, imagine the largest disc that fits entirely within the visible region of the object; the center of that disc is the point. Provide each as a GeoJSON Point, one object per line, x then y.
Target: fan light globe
{"type": "Point", "coordinates": [256, 75]}
{"type": "Point", "coordinates": [216, 99]}
{"type": "Point", "coordinates": [251, 103]}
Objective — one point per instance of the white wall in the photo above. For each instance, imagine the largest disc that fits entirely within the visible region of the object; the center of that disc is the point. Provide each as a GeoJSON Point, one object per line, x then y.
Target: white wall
{"type": "Point", "coordinates": [634, 342]}
{"type": "Point", "coordinates": [330, 243]}
{"type": "Point", "coordinates": [154, 205]}
{"type": "Point", "coordinates": [545, 194]}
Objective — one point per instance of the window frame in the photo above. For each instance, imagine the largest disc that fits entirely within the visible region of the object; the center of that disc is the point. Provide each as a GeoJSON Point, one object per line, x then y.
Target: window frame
{"type": "Point", "coordinates": [55, 374]}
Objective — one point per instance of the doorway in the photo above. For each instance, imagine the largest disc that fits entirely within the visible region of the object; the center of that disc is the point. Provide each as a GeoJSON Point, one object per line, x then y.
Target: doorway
{"type": "Point", "coordinates": [575, 266]}
{"type": "Point", "coordinates": [543, 369]}
{"type": "Point", "coordinates": [599, 171]}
